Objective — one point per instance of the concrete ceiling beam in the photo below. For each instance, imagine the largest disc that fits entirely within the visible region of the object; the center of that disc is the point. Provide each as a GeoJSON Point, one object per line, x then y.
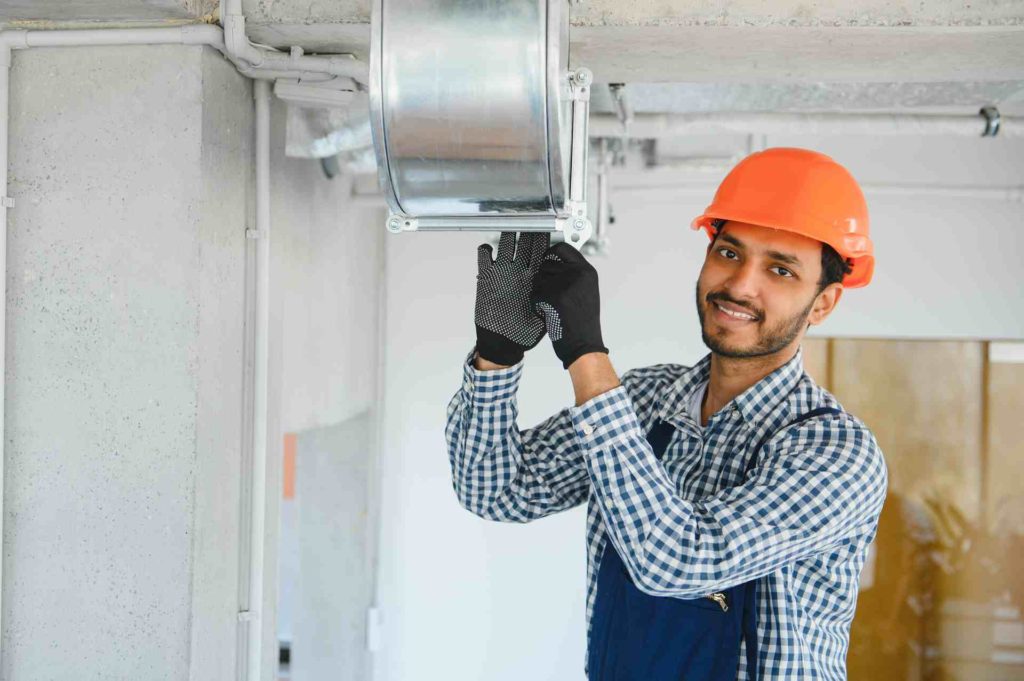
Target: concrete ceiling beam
{"type": "Point", "coordinates": [713, 41]}
{"type": "Point", "coordinates": [782, 41]}
{"type": "Point", "coordinates": [69, 14]}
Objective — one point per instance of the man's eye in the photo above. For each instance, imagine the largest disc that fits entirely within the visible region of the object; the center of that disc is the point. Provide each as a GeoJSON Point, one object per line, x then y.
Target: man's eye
{"type": "Point", "coordinates": [783, 271]}
{"type": "Point", "coordinates": [723, 251]}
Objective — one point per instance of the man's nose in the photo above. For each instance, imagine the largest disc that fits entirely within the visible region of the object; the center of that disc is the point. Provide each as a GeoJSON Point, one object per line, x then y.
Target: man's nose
{"type": "Point", "coordinates": [744, 283]}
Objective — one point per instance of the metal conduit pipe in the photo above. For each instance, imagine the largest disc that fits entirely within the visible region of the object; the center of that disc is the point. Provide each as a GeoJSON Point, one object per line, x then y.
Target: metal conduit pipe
{"type": "Point", "coordinates": [678, 125]}
{"type": "Point", "coordinates": [254, 471]}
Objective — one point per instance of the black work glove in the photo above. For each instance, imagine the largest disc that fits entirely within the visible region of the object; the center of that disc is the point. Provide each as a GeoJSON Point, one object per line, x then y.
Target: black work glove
{"type": "Point", "coordinates": [506, 324]}
{"type": "Point", "coordinates": [565, 293]}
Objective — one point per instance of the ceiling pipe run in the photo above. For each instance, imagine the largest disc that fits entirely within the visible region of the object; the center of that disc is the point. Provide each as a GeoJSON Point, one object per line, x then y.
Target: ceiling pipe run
{"type": "Point", "coordinates": [679, 125]}
{"type": "Point", "coordinates": [1012, 194]}
{"type": "Point", "coordinates": [260, 58]}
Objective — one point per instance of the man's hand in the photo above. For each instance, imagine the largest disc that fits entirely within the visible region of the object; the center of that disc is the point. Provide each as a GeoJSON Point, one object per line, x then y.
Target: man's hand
{"type": "Point", "coordinates": [506, 324]}
{"type": "Point", "coordinates": [566, 294]}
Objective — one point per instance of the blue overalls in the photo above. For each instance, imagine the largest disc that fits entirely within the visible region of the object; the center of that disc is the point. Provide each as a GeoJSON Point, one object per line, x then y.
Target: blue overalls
{"type": "Point", "coordinates": [638, 637]}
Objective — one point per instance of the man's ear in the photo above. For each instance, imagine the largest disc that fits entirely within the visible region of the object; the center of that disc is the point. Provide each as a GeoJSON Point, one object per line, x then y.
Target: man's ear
{"type": "Point", "coordinates": [824, 303]}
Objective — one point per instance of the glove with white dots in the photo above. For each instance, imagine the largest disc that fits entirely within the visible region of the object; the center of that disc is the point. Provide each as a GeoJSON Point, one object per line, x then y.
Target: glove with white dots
{"type": "Point", "coordinates": [506, 323]}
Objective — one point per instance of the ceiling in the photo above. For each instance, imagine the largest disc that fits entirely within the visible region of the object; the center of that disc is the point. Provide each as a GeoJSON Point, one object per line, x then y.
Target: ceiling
{"type": "Point", "coordinates": [686, 56]}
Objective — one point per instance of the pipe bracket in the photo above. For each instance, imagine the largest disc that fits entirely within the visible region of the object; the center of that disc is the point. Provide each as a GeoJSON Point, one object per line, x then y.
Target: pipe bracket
{"type": "Point", "coordinates": [992, 121]}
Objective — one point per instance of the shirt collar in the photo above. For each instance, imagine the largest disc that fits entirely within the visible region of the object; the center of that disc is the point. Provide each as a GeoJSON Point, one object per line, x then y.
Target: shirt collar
{"type": "Point", "coordinates": [754, 404]}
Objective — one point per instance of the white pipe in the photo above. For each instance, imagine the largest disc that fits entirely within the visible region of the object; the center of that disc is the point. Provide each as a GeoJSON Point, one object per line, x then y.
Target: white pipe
{"type": "Point", "coordinates": [199, 34]}
{"type": "Point", "coordinates": [261, 92]}
{"type": "Point", "coordinates": [239, 47]}
{"type": "Point", "coordinates": [678, 125]}
{"type": "Point", "coordinates": [5, 85]}
{"type": "Point", "coordinates": [270, 74]}
{"type": "Point", "coordinates": [269, 65]}
{"type": "Point", "coordinates": [1011, 194]}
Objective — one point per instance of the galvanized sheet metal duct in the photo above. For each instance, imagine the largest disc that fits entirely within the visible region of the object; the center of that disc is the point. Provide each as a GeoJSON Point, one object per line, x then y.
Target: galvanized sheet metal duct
{"type": "Point", "coordinates": [472, 109]}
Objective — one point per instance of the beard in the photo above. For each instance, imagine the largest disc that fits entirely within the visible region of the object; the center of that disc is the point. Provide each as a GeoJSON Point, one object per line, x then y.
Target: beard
{"type": "Point", "coordinates": [770, 339]}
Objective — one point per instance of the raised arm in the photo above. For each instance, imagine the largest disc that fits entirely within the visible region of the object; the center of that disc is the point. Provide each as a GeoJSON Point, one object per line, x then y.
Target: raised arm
{"type": "Point", "coordinates": [500, 472]}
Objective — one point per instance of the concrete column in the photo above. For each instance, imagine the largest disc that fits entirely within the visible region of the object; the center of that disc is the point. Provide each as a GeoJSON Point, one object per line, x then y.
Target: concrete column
{"type": "Point", "coordinates": [130, 168]}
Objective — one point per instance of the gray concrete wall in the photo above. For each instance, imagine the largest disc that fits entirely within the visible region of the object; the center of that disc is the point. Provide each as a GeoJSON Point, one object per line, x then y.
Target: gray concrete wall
{"type": "Point", "coordinates": [124, 364]}
{"type": "Point", "coordinates": [132, 171]}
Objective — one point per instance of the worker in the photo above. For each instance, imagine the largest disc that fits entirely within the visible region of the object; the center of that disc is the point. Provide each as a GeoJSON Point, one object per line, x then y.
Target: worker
{"type": "Point", "coordinates": [730, 504]}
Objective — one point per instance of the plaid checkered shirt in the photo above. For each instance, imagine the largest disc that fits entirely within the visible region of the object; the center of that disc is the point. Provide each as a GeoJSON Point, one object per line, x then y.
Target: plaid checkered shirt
{"type": "Point", "coordinates": [696, 521]}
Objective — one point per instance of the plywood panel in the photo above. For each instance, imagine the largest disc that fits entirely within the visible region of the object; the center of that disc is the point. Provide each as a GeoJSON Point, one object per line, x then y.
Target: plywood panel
{"type": "Point", "coordinates": [922, 400]}
{"type": "Point", "coordinates": [1005, 484]}
{"type": "Point", "coordinates": [941, 596]}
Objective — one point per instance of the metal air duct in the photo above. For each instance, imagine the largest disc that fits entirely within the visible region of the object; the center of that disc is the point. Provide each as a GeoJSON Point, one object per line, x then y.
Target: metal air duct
{"type": "Point", "coordinates": [477, 122]}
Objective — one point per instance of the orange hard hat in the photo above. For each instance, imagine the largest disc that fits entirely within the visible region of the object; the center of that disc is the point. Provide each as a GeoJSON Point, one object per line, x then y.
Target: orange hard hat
{"type": "Point", "coordinates": [800, 191]}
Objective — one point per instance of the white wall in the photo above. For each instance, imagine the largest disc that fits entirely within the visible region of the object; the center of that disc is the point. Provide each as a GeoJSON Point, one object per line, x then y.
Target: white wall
{"type": "Point", "coordinates": [326, 281]}
{"type": "Point", "coordinates": [464, 599]}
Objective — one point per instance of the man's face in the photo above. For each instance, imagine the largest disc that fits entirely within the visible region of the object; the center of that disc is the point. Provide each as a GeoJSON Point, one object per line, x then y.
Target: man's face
{"type": "Point", "coordinates": [758, 290]}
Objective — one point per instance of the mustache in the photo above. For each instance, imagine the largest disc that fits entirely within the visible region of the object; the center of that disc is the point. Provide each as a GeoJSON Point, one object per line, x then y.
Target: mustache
{"type": "Point", "coordinates": [725, 298]}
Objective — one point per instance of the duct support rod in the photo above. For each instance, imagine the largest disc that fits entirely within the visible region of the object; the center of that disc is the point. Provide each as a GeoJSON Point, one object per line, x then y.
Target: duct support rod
{"type": "Point", "coordinates": [580, 83]}
{"type": "Point", "coordinates": [652, 125]}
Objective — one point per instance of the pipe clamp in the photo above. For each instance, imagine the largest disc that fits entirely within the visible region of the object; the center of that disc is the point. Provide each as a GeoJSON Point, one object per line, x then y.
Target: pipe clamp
{"type": "Point", "coordinates": [992, 120]}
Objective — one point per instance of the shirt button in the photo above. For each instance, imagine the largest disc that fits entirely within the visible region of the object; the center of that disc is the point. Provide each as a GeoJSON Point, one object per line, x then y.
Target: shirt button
{"type": "Point", "coordinates": [587, 428]}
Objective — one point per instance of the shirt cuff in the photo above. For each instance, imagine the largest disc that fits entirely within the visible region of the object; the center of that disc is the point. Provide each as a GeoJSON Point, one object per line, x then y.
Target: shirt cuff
{"type": "Point", "coordinates": [494, 385]}
{"type": "Point", "coordinates": [605, 417]}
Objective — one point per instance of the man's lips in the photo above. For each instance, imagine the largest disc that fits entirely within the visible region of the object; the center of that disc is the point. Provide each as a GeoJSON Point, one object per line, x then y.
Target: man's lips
{"type": "Point", "coordinates": [732, 313]}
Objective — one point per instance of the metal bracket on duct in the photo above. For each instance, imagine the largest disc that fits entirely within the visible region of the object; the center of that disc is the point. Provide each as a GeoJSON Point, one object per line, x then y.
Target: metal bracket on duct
{"type": "Point", "coordinates": [477, 122]}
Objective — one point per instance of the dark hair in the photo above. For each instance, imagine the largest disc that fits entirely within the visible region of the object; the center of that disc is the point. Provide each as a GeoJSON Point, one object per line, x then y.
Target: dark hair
{"type": "Point", "coordinates": [833, 266]}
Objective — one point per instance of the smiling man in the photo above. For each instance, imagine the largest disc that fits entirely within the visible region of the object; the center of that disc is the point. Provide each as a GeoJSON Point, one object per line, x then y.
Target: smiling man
{"type": "Point", "coordinates": [729, 504]}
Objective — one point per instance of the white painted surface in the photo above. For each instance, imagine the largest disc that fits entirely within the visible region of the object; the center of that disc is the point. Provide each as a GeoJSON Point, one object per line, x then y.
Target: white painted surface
{"type": "Point", "coordinates": [464, 599]}
{"type": "Point", "coordinates": [335, 590]}
{"type": "Point", "coordinates": [324, 348]}
{"type": "Point", "coordinates": [1006, 352]}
